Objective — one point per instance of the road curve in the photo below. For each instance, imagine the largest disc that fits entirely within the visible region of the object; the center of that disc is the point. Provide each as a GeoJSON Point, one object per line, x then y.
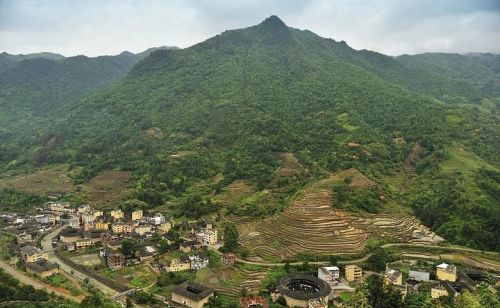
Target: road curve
{"type": "Point", "coordinates": [47, 247]}
{"type": "Point", "coordinates": [24, 279]}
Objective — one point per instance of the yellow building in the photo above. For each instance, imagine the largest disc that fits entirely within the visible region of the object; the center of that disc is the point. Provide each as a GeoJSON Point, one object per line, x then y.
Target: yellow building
{"type": "Point", "coordinates": [33, 254]}
{"type": "Point", "coordinates": [446, 272]}
{"type": "Point", "coordinates": [393, 276]}
{"type": "Point", "coordinates": [438, 291]}
{"type": "Point", "coordinates": [353, 272]}
{"type": "Point", "coordinates": [83, 243]}
{"type": "Point", "coordinates": [97, 214]}
{"type": "Point", "coordinates": [181, 264]}
{"type": "Point", "coordinates": [101, 225]}
{"type": "Point", "coordinates": [117, 214]}
{"type": "Point", "coordinates": [165, 227]}
{"type": "Point", "coordinates": [137, 215]}
{"type": "Point", "coordinates": [117, 227]}
{"type": "Point", "coordinates": [142, 229]}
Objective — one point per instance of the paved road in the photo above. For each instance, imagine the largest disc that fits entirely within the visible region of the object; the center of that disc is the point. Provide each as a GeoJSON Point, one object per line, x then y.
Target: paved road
{"type": "Point", "coordinates": [47, 246]}
{"type": "Point", "coordinates": [36, 283]}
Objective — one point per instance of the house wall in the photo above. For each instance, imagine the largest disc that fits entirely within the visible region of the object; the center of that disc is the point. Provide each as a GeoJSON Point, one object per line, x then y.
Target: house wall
{"type": "Point", "coordinates": [44, 273]}
{"type": "Point", "coordinates": [293, 302]}
{"type": "Point", "coordinates": [437, 293]}
{"type": "Point", "coordinates": [189, 302]}
{"type": "Point", "coordinates": [442, 274]}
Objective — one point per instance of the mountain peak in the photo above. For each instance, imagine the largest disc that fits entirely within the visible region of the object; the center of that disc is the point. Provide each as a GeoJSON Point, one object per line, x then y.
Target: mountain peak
{"type": "Point", "coordinates": [273, 21]}
{"type": "Point", "coordinates": [274, 31]}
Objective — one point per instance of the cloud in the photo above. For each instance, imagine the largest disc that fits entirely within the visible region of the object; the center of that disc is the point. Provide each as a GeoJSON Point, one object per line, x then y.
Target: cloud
{"type": "Point", "coordinates": [95, 27]}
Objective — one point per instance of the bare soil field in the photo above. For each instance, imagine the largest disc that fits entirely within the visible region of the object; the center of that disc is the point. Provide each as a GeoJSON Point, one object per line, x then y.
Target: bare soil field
{"type": "Point", "coordinates": [46, 181]}
{"type": "Point", "coordinates": [107, 187]}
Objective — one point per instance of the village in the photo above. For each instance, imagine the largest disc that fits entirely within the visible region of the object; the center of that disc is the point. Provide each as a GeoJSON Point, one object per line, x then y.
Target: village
{"type": "Point", "coordinates": [60, 239]}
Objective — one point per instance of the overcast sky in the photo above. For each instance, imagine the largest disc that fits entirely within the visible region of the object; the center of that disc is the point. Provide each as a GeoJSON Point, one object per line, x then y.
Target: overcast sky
{"type": "Point", "coordinates": [96, 27]}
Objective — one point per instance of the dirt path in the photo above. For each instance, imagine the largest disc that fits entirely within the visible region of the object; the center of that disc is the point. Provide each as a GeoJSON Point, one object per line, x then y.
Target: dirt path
{"type": "Point", "coordinates": [424, 254]}
{"type": "Point", "coordinates": [38, 284]}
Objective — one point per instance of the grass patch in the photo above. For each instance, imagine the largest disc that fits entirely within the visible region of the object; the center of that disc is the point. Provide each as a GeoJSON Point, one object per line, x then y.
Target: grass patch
{"type": "Point", "coordinates": [62, 281]}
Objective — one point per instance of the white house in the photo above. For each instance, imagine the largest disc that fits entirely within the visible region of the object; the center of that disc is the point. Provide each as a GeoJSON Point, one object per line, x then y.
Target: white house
{"type": "Point", "coordinates": [330, 274]}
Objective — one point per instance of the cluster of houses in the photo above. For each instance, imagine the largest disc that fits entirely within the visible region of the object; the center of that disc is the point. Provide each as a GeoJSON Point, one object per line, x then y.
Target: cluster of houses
{"type": "Point", "coordinates": [449, 281]}
{"type": "Point", "coordinates": [37, 262]}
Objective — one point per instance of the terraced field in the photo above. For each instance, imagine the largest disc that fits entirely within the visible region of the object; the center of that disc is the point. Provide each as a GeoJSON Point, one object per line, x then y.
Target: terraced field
{"type": "Point", "coordinates": [311, 225]}
{"type": "Point", "coordinates": [230, 281]}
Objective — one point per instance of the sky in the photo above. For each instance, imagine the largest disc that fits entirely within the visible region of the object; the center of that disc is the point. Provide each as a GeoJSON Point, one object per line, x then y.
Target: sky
{"type": "Point", "coordinates": [393, 27]}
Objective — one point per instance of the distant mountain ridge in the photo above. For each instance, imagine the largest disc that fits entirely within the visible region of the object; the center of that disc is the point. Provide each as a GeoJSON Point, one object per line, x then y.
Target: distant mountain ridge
{"type": "Point", "coordinates": [8, 60]}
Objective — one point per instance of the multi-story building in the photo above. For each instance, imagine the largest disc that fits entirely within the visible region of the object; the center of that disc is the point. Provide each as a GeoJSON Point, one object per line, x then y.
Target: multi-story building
{"type": "Point", "coordinates": [207, 236]}
{"type": "Point", "coordinates": [438, 291]}
{"type": "Point", "coordinates": [143, 229]}
{"type": "Point", "coordinates": [117, 214]}
{"type": "Point", "coordinates": [181, 264]}
{"type": "Point", "coordinates": [164, 227]}
{"type": "Point", "coordinates": [117, 227]}
{"type": "Point", "coordinates": [393, 276]}
{"type": "Point", "coordinates": [353, 272]}
{"type": "Point", "coordinates": [198, 261]}
{"type": "Point", "coordinates": [137, 215]}
{"type": "Point", "coordinates": [33, 254]}
{"type": "Point", "coordinates": [228, 259]}
{"type": "Point", "coordinates": [129, 228]}
{"type": "Point", "coordinates": [101, 225]}
{"type": "Point", "coordinates": [330, 274]}
{"type": "Point", "coordinates": [158, 219]}
{"type": "Point", "coordinates": [87, 217]}
{"type": "Point", "coordinates": [88, 226]}
{"type": "Point", "coordinates": [83, 243]}
{"type": "Point", "coordinates": [74, 222]}
{"type": "Point", "coordinates": [447, 272]}
{"type": "Point", "coordinates": [97, 214]}
{"type": "Point", "coordinates": [115, 259]}
{"type": "Point", "coordinates": [84, 208]}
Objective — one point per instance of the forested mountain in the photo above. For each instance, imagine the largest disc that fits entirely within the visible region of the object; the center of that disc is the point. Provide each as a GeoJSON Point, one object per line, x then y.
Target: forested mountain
{"type": "Point", "coordinates": [481, 71]}
{"type": "Point", "coordinates": [8, 60]}
{"type": "Point", "coordinates": [237, 100]}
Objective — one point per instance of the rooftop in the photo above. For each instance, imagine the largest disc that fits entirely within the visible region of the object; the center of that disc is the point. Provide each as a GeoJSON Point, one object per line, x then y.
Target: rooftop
{"type": "Point", "coordinates": [192, 291]}
{"type": "Point", "coordinates": [447, 267]}
{"type": "Point", "coordinates": [41, 266]}
{"type": "Point", "coordinates": [302, 286]}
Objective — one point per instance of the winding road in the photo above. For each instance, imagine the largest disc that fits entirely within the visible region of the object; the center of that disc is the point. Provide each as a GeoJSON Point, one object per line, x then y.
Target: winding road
{"type": "Point", "coordinates": [47, 247]}
{"type": "Point", "coordinates": [37, 284]}
{"type": "Point", "coordinates": [425, 254]}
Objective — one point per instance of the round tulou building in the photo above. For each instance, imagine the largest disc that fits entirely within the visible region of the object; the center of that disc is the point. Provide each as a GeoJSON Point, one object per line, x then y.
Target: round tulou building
{"type": "Point", "coordinates": [299, 290]}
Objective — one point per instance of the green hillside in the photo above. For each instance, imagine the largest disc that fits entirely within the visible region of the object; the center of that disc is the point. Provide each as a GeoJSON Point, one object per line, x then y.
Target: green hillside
{"type": "Point", "coordinates": [8, 60]}
{"type": "Point", "coordinates": [481, 71]}
{"type": "Point", "coordinates": [190, 122]}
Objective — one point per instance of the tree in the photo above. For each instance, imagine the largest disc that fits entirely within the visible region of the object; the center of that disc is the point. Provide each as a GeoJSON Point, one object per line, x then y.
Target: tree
{"type": "Point", "coordinates": [377, 261]}
{"type": "Point", "coordinates": [231, 236]}
{"type": "Point", "coordinates": [129, 246]}
{"type": "Point", "coordinates": [287, 267]}
{"type": "Point", "coordinates": [334, 260]}
{"type": "Point", "coordinates": [380, 296]}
